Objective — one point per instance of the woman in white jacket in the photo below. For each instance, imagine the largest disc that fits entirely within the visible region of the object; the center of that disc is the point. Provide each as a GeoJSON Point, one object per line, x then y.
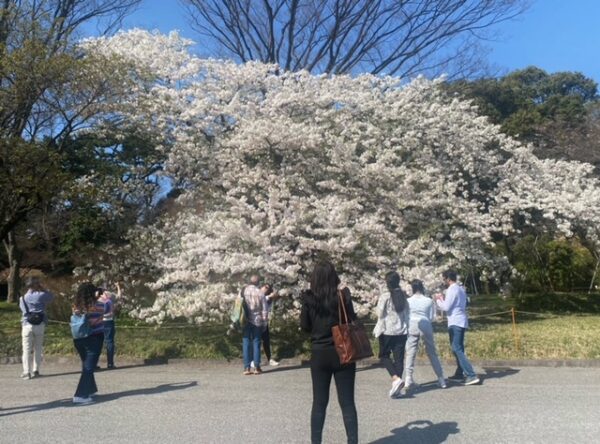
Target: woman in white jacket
{"type": "Point", "coordinates": [391, 329]}
{"type": "Point", "coordinates": [421, 314]}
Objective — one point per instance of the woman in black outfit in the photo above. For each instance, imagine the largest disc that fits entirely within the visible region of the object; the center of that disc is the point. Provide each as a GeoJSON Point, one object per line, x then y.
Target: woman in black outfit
{"type": "Point", "coordinates": [319, 314]}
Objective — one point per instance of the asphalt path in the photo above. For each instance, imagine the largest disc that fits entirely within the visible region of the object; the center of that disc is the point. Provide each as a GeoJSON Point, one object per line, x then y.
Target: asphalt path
{"type": "Point", "coordinates": [203, 402]}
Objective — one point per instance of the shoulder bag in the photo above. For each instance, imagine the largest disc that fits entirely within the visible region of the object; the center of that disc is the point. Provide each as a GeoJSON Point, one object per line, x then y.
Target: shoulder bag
{"type": "Point", "coordinates": [350, 338]}
{"type": "Point", "coordinates": [33, 317]}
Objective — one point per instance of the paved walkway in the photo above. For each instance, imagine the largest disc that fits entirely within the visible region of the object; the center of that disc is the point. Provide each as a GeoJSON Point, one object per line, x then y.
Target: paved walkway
{"type": "Point", "coordinates": [195, 402]}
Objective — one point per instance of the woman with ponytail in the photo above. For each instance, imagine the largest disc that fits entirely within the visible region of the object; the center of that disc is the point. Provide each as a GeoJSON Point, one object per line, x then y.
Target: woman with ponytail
{"type": "Point", "coordinates": [392, 330]}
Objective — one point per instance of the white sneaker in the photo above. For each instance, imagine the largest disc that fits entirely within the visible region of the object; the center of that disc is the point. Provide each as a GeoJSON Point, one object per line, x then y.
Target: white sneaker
{"type": "Point", "coordinates": [397, 385]}
{"type": "Point", "coordinates": [442, 382]}
{"type": "Point", "coordinates": [252, 364]}
{"type": "Point", "coordinates": [273, 362]}
{"type": "Point", "coordinates": [79, 400]}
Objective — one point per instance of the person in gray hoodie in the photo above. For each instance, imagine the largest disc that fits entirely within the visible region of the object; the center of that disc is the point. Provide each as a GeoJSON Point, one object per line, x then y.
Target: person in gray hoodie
{"type": "Point", "coordinates": [33, 326]}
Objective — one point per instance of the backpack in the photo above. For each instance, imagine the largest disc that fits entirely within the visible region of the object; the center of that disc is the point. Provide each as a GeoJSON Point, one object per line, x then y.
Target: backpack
{"type": "Point", "coordinates": [239, 316]}
{"type": "Point", "coordinates": [80, 327]}
{"type": "Point", "coordinates": [33, 317]}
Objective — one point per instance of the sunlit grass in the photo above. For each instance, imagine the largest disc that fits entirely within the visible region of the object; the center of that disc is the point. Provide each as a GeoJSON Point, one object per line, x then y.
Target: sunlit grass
{"type": "Point", "coordinates": [540, 336]}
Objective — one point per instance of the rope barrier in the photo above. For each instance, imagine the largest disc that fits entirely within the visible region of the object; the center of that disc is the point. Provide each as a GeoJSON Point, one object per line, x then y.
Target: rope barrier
{"type": "Point", "coordinates": [489, 314]}
{"type": "Point", "coordinates": [186, 325]}
{"type": "Point", "coordinates": [551, 315]}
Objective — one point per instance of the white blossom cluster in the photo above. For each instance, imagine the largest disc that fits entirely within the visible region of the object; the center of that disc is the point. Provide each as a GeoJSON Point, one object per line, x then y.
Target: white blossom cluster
{"type": "Point", "coordinates": [282, 169]}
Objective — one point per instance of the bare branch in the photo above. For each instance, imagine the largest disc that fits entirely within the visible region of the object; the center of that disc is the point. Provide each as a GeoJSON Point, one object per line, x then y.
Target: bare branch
{"type": "Point", "coordinates": [343, 36]}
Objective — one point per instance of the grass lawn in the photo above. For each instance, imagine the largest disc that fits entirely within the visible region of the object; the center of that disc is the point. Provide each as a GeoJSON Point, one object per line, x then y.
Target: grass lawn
{"type": "Point", "coordinates": [543, 335]}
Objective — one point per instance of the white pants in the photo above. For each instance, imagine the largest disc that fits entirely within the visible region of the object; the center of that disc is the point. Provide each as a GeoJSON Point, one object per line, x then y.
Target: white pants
{"type": "Point", "coordinates": [425, 331]}
{"type": "Point", "coordinates": [33, 341]}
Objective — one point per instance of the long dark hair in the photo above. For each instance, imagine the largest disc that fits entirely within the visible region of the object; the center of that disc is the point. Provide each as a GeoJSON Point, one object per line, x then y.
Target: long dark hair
{"type": "Point", "coordinates": [85, 296]}
{"type": "Point", "coordinates": [392, 280]}
{"type": "Point", "coordinates": [324, 283]}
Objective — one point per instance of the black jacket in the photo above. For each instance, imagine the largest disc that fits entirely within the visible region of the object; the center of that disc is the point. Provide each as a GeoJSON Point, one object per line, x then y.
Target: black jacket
{"type": "Point", "coordinates": [317, 321]}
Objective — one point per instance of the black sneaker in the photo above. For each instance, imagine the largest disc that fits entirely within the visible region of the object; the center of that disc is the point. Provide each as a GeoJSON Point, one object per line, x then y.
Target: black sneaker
{"type": "Point", "coordinates": [36, 375]}
{"type": "Point", "coordinates": [111, 367]}
{"type": "Point", "coordinates": [456, 378]}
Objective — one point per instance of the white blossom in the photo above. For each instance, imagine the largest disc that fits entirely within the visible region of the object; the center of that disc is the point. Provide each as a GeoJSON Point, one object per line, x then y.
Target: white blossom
{"type": "Point", "coordinates": [281, 169]}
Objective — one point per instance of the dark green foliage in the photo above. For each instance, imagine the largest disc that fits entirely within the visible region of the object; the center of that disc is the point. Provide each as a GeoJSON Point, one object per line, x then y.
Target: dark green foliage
{"type": "Point", "coordinates": [545, 264]}
{"type": "Point", "coordinates": [559, 303]}
{"type": "Point", "coordinates": [525, 102]}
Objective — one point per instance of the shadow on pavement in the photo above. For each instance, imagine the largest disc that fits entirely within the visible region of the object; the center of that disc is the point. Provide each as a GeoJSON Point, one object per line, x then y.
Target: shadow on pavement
{"type": "Point", "coordinates": [423, 431]}
{"type": "Point", "coordinates": [283, 368]}
{"type": "Point", "coordinates": [100, 398]}
{"type": "Point", "coordinates": [102, 370]}
{"type": "Point", "coordinates": [499, 372]}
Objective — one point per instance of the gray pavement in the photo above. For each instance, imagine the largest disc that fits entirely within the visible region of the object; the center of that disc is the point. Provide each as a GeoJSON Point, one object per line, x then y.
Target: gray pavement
{"type": "Point", "coordinates": [203, 402]}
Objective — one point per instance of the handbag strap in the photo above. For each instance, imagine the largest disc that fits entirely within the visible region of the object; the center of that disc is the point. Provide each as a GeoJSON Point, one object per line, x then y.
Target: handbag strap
{"type": "Point", "coordinates": [25, 304]}
{"type": "Point", "coordinates": [342, 306]}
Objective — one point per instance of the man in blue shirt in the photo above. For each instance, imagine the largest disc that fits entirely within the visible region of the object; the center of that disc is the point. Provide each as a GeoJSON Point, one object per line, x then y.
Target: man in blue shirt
{"type": "Point", "coordinates": [34, 321]}
{"type": "Point", "coordinates": [455, 305]}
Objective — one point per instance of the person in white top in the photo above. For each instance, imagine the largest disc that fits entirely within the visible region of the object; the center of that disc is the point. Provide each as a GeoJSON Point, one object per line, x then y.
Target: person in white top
{"type": "Point", "coordinates": [454, 303]}
{"type": "Point", "coordinates": [391, 330]}
{"type": "Point", "coordinates": [421, 314]}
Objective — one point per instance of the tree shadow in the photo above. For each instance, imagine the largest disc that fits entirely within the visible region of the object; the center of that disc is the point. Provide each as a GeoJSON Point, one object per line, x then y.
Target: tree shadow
{"type": "Point", "coordinates": [423, 431]}
{"type": "Point", "coordinates": [97, 399]}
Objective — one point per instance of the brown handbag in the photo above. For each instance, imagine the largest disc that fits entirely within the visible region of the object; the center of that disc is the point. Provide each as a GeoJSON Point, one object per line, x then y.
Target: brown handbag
{"type": "Point", "coordinates": [350, 338]}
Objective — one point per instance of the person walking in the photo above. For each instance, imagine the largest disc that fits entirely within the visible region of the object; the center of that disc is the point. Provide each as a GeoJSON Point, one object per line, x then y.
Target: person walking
{"type": "Point", "coordinates": [318, 315]}
{"type": "Point", "coordinates": [392, 329]}
{"type": "Point", "coordinates": [87, 302]}
{"type": "Point", "coordinates": [421, 310]}
{"type": "Point", "coordinates": [110, 299]}
{"type": "Point", "coordinates": [33, 326]}
{"type": "Point", "coordinates": [258, 318]}
{"type": "Point", "coordinates": [454, 303]}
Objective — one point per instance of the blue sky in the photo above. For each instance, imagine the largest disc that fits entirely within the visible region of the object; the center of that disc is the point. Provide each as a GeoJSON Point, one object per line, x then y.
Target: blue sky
{"type": "Point", "coordinates": [555, 35]}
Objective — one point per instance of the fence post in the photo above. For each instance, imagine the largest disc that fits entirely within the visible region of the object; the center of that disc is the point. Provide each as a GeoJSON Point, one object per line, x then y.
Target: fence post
{"type": "Point", "coordinates": [515, 331]}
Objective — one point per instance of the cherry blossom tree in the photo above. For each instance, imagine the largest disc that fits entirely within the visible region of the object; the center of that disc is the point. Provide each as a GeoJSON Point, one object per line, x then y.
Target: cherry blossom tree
{"type": "Point", "coordinates": [281, 169]}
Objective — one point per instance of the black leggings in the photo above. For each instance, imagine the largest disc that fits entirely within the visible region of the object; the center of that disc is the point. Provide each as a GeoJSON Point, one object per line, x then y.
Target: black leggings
{"type": "Point", "coordinates": [394, 345]}
{"type": "Point", "coordinates": [266, 340]}
{"type": "Point", "coordinates": [324, 364]}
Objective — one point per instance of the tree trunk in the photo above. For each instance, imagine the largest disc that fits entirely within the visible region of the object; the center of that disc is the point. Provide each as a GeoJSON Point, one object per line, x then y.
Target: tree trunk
{"type": "Point", "coordinates": [594, 276]}
{"type": "Point", "coordinates": [14, 262]}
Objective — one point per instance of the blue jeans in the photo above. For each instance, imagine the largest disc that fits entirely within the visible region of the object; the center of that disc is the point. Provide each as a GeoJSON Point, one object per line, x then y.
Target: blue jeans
{"type": "Point", "coordinates": [89, 351]}
{"type": "Point", "coordinates": [457, 343]}
{"type": "Point", "coordinates": [251, 344]}
{"type": "Point", "coordinates": [109, 341]}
